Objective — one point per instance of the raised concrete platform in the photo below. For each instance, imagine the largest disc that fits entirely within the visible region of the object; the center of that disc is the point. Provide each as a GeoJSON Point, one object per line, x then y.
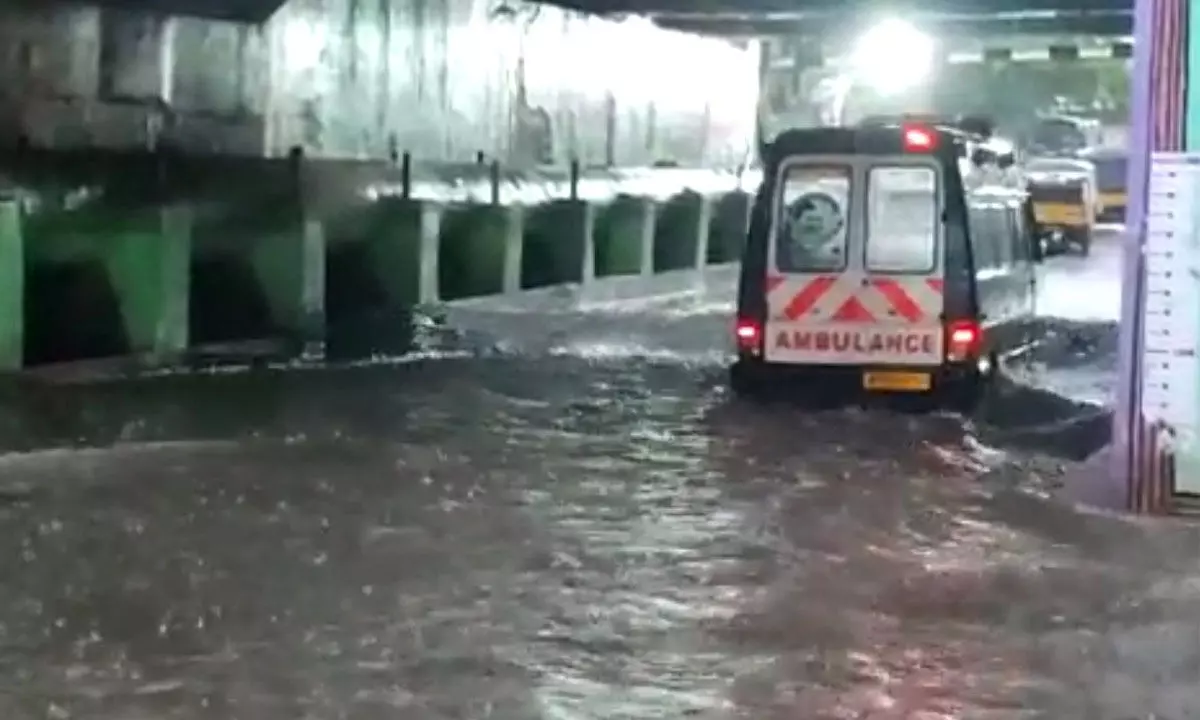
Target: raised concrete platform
{"type": "Point", "coordinates": [157, 258]}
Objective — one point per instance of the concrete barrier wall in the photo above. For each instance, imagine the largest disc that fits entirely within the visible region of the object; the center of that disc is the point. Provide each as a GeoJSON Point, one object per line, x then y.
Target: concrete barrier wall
{"type": "Point", "coordinates": [444, 79]}
{"type": "Point", "coordinates": [90, 274]}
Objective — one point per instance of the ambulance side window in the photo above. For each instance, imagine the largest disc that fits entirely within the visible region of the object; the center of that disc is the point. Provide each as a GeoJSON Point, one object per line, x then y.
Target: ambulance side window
{"type": "Point", "coordinates": [1021, 249]}
{"type": "Point", "coordinates": [812, 227]}
{"type": "Point", "coordinates": [983, 238]}
{"type": "Point", "coordinates": [1002, 221]}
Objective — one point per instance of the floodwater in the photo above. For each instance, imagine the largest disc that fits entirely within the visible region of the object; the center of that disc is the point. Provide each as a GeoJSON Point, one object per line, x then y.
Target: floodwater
{"type": "Point", "coordinates": [577, 522]}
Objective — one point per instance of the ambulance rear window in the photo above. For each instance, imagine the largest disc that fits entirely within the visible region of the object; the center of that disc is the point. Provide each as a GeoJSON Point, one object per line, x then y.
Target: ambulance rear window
{"type": "Point", "coordinates": [812, 225]}
{"type": "Point", "coordinates": [902, 219]}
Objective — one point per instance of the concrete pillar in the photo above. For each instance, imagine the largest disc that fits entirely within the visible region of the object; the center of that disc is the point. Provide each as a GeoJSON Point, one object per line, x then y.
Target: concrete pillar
{"type": "Point", "coordinates": [12, 287]}
{"type": "Point", "coordinates": [148, 263]}
{"type": "Point", "coordinates": [623, 237]}
{"type": "Point", "coordinates": [681, 232]}
{"type": "Point", "coordinates": [394, 242]}
{"type": "Point", "coordinates": [479, 252]}
{"type": "Point", "coordinates": [289, 264]}
{"type": "Point", "coordinates": [558, 240]}
{"type": "Point", "coordinates": [141, 257]}
{"type": "Point", "coordinates": [405, 251]}
{"type": "Point", "coordinates": [728, 227]}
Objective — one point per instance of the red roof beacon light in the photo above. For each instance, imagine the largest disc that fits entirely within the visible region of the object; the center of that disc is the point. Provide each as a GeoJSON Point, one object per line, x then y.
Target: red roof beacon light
{"type": "Point", "coordinates": [919, 139]}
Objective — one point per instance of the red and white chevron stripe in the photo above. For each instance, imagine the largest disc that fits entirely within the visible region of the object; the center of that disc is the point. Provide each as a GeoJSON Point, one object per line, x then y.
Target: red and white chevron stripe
{"type": "Point", "coordinates": [853, 298]}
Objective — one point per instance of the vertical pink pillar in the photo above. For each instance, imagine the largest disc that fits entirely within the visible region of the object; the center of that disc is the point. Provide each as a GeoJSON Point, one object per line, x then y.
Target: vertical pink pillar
{"type": "Point", "coordinates": [1126, 420]}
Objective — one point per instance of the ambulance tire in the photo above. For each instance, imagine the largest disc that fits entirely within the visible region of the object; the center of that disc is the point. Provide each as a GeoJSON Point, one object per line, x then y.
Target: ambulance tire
{"type": "Point", "coordinates": [746, 381]}
{"type": "Point", "coordinates": [974, 396]}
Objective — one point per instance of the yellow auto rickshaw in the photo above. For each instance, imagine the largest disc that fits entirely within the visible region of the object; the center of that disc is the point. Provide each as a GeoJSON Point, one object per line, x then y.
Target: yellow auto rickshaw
{"type": "Point", "coordinates": [1065, 203]}
{"type": "Point", "coordinates": [1111, 165]}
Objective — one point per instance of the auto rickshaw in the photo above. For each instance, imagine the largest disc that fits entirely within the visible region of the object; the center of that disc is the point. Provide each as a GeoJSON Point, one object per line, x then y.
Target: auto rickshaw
{"type": "Point", "coordinates": [1111, 164]}
{"type": "Point", "coordinates": [1065, 203]}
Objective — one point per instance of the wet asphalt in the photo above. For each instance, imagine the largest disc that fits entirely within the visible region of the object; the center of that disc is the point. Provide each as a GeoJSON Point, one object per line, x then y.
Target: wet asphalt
{"type": "Point", "coordinates": [573, 519]}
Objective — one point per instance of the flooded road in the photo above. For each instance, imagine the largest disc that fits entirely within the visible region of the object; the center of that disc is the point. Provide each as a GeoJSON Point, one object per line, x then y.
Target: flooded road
{"type": "Point", "coordinates": [577, 522]}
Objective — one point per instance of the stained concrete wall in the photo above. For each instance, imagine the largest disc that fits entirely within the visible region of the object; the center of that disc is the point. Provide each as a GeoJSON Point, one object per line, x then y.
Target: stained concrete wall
{"type": "Point", "coordinates": [445, 79]}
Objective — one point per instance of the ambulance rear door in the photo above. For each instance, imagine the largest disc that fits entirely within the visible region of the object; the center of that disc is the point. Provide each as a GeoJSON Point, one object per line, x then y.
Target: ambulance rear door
{"type": "Point", "coordinates": [811, 255]}
{"type": "Point", "coordinates": [857, 263]}
{"type": "Point", "coordinates": [904, 261]}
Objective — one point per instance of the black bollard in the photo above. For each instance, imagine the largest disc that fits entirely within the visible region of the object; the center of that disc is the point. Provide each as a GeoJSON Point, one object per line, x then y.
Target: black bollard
{"type": "Point", "coordinates": [393, 149]}
{"type": "Point", "coordinates": [574, 179]}
{"type": "Point", "coordinates": [296, 171]}
{"type": "Point", "coordinates": [494, 178]}
{"type": "Point", "coordinates": [406, 175]}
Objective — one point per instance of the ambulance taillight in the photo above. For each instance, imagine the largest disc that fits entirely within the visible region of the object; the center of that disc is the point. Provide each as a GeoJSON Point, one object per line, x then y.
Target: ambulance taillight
{"type": "Point", "coordinates": [963, 340]}
{"type": "Point", "coordinates": [919, 139]}
{"type": "Point", "coordinates": [748, 334]}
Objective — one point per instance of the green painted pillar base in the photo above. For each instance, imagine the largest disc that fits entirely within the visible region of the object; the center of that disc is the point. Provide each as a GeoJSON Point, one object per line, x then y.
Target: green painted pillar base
{"type": "Point", "coordinates": [143, 255]}
{"type": "Point", "coordinates": [148, 263]}
{"type": "Point", "coordinates": [404, 250]}
{"type": "Point", "coordinates": [728, 227]}
{"type": "Point", "coordinates": [681, 232]}
{"type": "Point", "coordinates": [393, 241]}
{"type": "Point", "coordinates": [479, 252]}
{"type": "Point", "coordinates": [557, 244]}
{"type": "Point", "coordinates": [623, 237]}
{"type": "Point", "coordinates": [12, 287]}
{"type": "Point", "coordinates": [290, 267]}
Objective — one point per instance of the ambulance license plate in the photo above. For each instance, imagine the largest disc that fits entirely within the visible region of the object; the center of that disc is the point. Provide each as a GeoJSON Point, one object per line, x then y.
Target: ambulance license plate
{"type": "Point", "coordinates": [897, 381]}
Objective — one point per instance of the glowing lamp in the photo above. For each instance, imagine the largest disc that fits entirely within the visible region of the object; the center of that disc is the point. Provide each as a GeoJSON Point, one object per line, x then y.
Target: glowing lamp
{"type": "Point", "coordinates": [893, 56]}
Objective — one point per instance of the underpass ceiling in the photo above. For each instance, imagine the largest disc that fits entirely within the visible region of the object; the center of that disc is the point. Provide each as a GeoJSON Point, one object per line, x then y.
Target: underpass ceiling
{"type": "Point", "coordinates": [851, 7]}
{"type": "Point", "coordinates": [1099, 17]}
{"type": "Point", "coordinates": [247, 11]}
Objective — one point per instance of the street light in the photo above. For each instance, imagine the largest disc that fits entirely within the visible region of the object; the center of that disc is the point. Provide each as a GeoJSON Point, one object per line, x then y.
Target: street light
{"type": "Point", "coordinates": [893, 56]}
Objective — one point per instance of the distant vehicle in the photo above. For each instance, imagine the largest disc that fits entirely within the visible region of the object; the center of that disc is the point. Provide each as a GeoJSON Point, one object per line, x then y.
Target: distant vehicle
{"type": "Point", "coordinates": [1111, 166]}
{"type": "Point", "coordinates": [1065, 135]}
{"type": "Point", "coordinates": [870, 268]}
{"type": "Point", "coordinates": [1066, 202]}
{"type": "Point", "coordinates": [993, 161]}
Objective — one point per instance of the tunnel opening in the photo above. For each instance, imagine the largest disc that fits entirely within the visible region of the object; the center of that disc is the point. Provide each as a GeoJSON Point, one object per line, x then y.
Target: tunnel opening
{"type": "Point", "coordinates": [72, 312]}
{"type": "Point", "coordinates": [227, 303]}
{"type": "Point", "coordinates": [552, 251]}
{"type": "Point", "coordinates": [618, 238]}
{"type": "Point", "coordinates": [727, 229]}
{"type": "Point", "coordinates": [351, 286]}
{"type": "Point", "coordinates": [362, 320]}
{"type": "Point", "coordinates": [675, 233]}
{"type": "Point", "coordinates": [471, 254]}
